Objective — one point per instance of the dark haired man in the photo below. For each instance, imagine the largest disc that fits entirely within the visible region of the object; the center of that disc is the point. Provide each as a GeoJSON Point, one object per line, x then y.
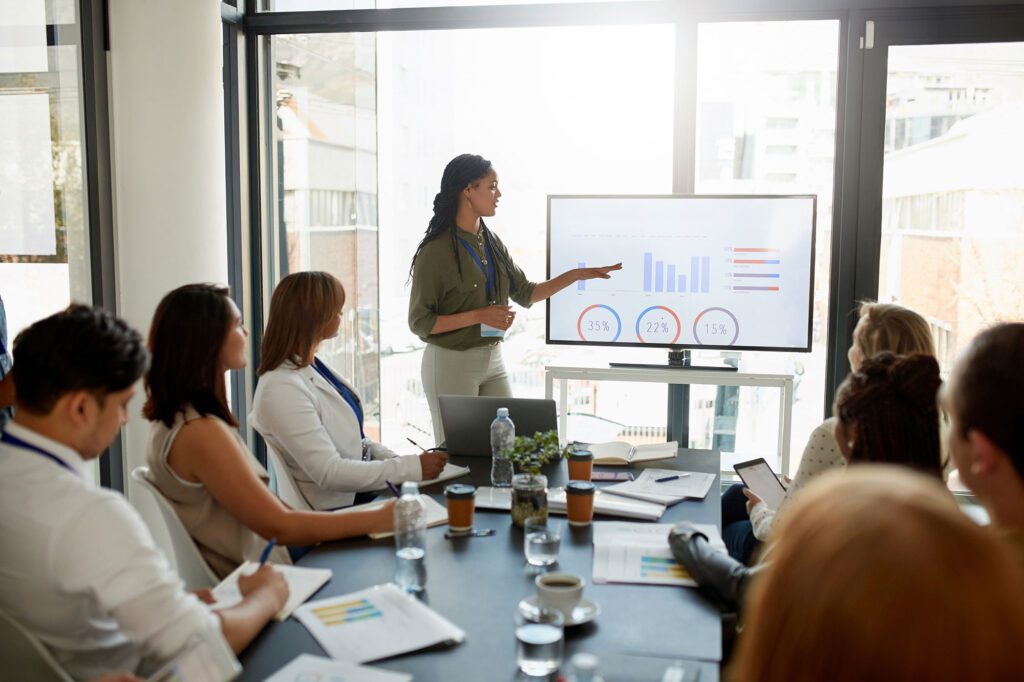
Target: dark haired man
{"type": "Point", "coordinates": [79, 568]}
{"type": "Point", "coordinates": [986, 439]}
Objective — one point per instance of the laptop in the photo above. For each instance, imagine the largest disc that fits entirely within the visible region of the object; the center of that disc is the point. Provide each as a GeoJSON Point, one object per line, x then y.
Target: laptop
{"type": "Point", "coordinates": [467, 420]}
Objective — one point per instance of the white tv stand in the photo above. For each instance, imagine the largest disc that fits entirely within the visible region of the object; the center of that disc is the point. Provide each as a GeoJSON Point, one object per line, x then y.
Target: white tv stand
{"type": "Point", "coordinates": [783, 382]}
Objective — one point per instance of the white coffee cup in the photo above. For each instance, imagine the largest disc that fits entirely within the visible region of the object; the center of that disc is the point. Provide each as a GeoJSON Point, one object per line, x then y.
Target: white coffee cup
{"type": "Point", "coordinates": [560, 591]}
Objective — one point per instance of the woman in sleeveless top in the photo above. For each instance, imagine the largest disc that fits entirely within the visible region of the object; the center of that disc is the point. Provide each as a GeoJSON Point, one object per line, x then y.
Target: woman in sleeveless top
{"type": "Point", "coordinates": [196, 456]}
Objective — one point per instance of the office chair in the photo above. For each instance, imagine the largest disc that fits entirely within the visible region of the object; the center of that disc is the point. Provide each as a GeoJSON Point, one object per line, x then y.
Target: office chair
{"type": "Point", "coordinates": [192, 567]}
{"type": "Point", "coordinates": [24, 656]}
{"type": "Point", "coordinates": [287, 489]}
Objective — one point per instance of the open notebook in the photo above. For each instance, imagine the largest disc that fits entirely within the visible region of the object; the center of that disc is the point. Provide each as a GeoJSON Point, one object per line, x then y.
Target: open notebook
{"type": "Point", "coordinates": [449, 472]}
{"type": "Point", "coordinates": [302, 584]}
{"type": "Point", "coordinates": [437, 514]}
{"type": "Point", "coordinates": [621, 453]}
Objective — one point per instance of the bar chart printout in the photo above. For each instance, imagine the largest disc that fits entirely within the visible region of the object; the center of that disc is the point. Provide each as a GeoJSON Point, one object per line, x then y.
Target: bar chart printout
{"type": "Point", "coordinates": [375, 623]}
{"type": "Point", "coordinates": [661, 276]}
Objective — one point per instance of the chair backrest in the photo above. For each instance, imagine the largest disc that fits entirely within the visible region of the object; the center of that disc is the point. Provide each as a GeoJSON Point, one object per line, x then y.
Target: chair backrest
{"type": "Point", "coordinates": [24, 657]}
{"type": "Point", "coordinates": [287, 489]}
{"type": "Point", "coordinates": [192, 568]}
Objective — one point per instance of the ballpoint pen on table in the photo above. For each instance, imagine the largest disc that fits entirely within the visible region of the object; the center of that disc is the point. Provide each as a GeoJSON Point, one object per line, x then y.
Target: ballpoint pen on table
{"type": "Point", "coordinates": [266, 551]}
{"type": "Point", "coordinates": [393, 489]}
{"type": "Point", "coordinates": [666, 479]}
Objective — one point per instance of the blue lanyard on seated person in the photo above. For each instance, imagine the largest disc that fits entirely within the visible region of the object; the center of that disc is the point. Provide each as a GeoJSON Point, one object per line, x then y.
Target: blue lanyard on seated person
{"type": "Point", "coordinates": [346, 394]}
{"type": "Point", "coordinates": [19, 443]}
{"type": "Point", "coordinates": [488, 271]}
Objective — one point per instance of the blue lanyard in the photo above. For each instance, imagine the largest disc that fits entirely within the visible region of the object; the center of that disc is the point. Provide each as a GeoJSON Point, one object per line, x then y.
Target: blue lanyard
{"type": "Point", "coordinates": [346, 394]}
{"type": "Point", "coordinates": [19, 443]}
{"type": "Point", "coordinates": [489, 270]}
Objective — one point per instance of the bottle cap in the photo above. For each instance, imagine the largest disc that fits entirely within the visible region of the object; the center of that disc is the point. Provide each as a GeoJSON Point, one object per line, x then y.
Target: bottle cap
{"type": "Point", "coordinates": [584, 662]}
{"type": "Point", "coordinates": [410, 488]}
{"type": "Point", "coordinates": [502, 412]}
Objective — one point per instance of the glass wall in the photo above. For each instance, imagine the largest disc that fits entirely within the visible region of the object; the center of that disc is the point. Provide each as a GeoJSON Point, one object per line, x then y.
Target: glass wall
{"type": "Point", "coordinates": [44, 244]}
{"type": "Point", "coordinates": [953, 192]}
{"type": "Point", "coordinates": [766, 124]}
{"type": "Point", "coordinates": [583, 110]}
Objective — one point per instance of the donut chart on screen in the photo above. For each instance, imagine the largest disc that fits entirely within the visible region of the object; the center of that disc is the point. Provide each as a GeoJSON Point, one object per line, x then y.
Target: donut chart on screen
{"type": "Point", "coordinates": [716, 327]}
{"type": "Point", "coordinates": [599, 322]}
{"type": "Point", "coordinates": [658, 324]}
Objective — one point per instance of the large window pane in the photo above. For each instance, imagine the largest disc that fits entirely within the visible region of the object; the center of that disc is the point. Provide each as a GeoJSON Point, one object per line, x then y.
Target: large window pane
{"type": "Point", "coordinates": [44, 250]}
{"type": "Point", "coordinates": [953, 195]}
{"type": "Point", "coordinates": [325, 135]}
{"type": "Point", "coordinates": [766, 124]}
{"type": "Point", "coordinates": [318, 5]}
{"type": "Point", "coordinates": [558, 111]}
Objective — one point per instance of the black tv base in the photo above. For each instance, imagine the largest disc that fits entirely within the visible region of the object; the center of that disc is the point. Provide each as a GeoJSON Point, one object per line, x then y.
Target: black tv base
{"type": "Point", "coordinates": [677, 359]}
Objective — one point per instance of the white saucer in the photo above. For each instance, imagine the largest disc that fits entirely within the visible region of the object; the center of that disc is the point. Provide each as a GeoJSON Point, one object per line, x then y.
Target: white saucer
{"type": "Point", "coordinates": [584, 612]}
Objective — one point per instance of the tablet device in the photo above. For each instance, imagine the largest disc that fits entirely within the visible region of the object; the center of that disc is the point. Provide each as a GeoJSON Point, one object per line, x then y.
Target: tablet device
{"type": "Point", "coordinates": [759, 477]}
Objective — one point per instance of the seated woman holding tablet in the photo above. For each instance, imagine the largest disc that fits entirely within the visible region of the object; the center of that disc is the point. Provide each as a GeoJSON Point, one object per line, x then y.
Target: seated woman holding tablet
{"type": "Point", "coordinates": [309, 414]}
{"type": "Point", "coordinates": [886, 413]}
{"type": "Point", "coordinates": [874, 571]}
{"type": "Point", "coordinates": [746, 520]}
{"type": "Point", "coordinates": [196, 456]}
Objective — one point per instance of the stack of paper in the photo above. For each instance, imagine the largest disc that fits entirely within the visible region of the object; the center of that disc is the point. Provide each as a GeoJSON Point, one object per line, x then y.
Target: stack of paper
{"type": "Point", "coordinates": [682, 484]}
{"type": "Point", "coordinates": [611, 505]}
{"type": "Point", "coordinates": [302, 583]}
{"type": "Point", "coordinates": [639, 553]}
{"type": "Point", "coordinates": [309, 667]}
{"type": "Point", "coordinates": [376, 623]}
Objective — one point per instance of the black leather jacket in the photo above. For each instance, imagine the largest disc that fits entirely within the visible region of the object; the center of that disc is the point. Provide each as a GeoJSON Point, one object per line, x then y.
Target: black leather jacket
{"type": "Point", "coordinates": [718, 575]}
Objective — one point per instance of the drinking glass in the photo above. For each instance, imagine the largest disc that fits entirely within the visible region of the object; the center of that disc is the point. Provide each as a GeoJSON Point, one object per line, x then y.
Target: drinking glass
{"type": "Point", "coordinates": [540, 641]}
{"type": "Point", "coordinates": [541, 540]}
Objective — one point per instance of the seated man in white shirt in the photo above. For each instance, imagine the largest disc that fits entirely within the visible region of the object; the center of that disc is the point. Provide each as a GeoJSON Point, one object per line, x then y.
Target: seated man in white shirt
{"type": "Point", "coordinates": [79, 568]}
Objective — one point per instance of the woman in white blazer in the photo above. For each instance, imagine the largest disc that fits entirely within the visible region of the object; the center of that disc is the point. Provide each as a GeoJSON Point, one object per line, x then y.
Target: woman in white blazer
{"type": "Point", "coordinates": [311, 416]}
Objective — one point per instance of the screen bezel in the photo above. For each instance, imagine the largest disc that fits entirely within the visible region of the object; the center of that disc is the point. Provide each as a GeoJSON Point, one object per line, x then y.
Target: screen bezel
{"type": "Point", "coordinates": [738, 468]}
{"type": "Point", "coordinates": [687, 346]}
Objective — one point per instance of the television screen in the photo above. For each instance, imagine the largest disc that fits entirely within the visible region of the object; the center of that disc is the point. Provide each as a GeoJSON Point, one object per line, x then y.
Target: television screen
{"type": "Point", "coordinates": [698, 271]}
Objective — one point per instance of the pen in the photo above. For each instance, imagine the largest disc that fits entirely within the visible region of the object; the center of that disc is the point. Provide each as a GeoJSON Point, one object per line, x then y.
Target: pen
{"type": "Point", "coordinates": [392, 488]}
{"type": "Point", "coordinates": [266, 552]}
{"type": "Point", "coordinates": [439, 448]}
{"type": "Point", "coordinates": [666, 479]}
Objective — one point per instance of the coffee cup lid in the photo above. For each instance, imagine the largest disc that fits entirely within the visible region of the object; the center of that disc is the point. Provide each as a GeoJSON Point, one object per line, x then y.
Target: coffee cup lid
{"type": "Point", "coordinates": [460, 490]}
{"type": "Point", "coordinates": [581, 455]}
{"type": "Point", "coordinates": [580, 488]}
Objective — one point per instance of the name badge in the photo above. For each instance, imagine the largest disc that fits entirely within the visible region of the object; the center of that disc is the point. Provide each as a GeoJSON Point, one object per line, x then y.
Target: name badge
{"type": "Point", "coordinates": [487, 331]}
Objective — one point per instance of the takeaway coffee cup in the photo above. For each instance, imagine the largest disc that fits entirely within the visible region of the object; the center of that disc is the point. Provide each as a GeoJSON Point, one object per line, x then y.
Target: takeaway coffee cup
{"type": "Point", "coordinates": [461, 499]}
{"type": "Point", "coordinates": [561, 591]}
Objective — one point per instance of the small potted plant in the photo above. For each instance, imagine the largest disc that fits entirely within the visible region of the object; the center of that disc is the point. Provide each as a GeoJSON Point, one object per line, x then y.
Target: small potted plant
{"type": "Point", "coordinates": [530, 486]}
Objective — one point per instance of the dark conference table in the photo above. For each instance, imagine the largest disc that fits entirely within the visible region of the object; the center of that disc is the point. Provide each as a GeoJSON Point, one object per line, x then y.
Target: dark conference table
{"type": "Point", "coordinates": [477, 584]}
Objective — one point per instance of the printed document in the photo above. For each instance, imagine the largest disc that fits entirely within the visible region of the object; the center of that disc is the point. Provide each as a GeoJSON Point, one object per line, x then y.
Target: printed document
{"type": "Point", "coordinates": [639, 553]}
{"type": "Point", "coordinates": [375, 623]}
{"type": "Point", "coordinates": [681, 484]}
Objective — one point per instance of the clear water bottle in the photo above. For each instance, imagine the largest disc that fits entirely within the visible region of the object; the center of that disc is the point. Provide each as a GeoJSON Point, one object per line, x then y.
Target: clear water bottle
{"type": "Point", "coordinates": [584, 668]}
{"type": "Point", "coordinates": [410, 539]}
{"type": "Point", "coordinates": [503, 434]}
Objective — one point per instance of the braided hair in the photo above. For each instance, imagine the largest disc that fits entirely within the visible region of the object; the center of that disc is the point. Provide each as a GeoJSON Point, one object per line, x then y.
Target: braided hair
{"type": "Point", "coordinates": [892, 408]}
{"type": "Point", "coordinates": [462, 171]}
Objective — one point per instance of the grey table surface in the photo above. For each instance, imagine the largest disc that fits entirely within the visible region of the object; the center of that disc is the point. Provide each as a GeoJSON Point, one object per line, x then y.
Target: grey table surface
{"type": "Point", "coordinates": [477, 584]}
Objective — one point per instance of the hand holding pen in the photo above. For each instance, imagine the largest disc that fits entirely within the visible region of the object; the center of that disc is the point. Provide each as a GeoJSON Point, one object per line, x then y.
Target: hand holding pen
{"type": "Point", "coordinates": [432, 462]}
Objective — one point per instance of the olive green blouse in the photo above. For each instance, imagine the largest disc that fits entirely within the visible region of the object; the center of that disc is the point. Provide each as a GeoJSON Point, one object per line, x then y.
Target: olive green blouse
{"type": "Point", "coordinates": [437, 288]}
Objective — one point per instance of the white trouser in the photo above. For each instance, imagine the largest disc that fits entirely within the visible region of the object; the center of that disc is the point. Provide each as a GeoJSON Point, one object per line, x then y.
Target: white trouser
{"type": "Point", "coordinates": [477, 371]}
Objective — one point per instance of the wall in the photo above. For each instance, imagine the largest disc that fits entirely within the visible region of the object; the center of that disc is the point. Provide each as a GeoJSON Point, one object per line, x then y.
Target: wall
{"type": "Point", "coordinates": [167, 138]}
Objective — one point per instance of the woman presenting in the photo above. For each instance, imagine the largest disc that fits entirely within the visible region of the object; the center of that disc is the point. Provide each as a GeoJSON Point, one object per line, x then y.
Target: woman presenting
{"type": "Point", "coordinates": [462, 280]}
